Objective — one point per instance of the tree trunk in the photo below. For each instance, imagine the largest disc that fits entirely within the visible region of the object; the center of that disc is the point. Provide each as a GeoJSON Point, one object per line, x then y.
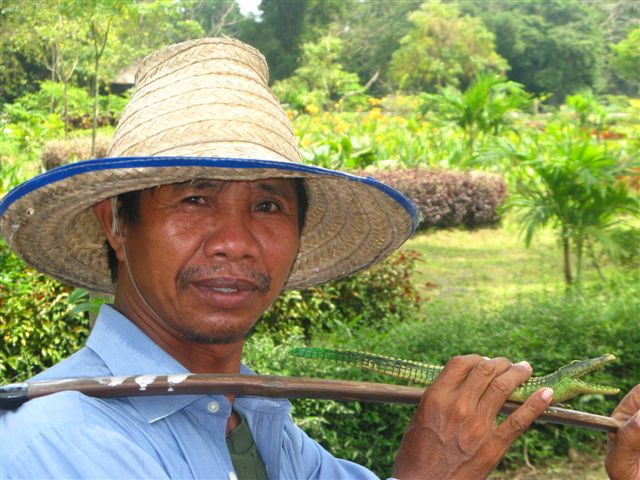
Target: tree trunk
{"type": "Point", "coordinates": [66, 108]}
{"type": "Point", "coordinates": [566, 249]}
{"type": "Point", "coordinates": [94, 126]}
{"type": "Point", "coordinates": [579, 249]}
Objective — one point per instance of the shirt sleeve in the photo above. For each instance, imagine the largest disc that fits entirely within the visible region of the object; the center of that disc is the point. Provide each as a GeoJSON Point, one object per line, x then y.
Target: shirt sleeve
{"type": "Point", "coordinates": [316, 462]}
{"type": "Point", "coordinates": [77, 453]}
{"type": "Point", "coordinates": [51, 438]}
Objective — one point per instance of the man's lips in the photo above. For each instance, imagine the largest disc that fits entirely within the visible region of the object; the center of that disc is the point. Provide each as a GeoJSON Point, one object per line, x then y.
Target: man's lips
{"type": "Point", "coordinates": [226, 293]}
{"type": "Point", "coordinates": [227, 285]}
{"type": "Point", "coordinates": [224, 278]}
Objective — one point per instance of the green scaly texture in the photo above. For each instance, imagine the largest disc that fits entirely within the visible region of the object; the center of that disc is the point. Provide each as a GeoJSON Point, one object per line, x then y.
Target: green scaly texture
{"type": "Point", "coordinates": [566, 382]}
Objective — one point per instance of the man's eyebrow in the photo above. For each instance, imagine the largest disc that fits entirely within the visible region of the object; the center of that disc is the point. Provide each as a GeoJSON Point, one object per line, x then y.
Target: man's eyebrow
{"type": "Point", "coordinates": [199, 184]}
{"type": "Point", "coordinates": [282, 189]}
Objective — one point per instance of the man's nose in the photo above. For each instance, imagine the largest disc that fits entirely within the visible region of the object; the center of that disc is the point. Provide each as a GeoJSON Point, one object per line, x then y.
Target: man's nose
{"type": "Point", "coordinates": [231, 235]}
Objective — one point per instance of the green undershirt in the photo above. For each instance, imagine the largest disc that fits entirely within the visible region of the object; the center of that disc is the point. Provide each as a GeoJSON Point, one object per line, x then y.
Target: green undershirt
{"type": "Point", "coordinates": [244, 454]}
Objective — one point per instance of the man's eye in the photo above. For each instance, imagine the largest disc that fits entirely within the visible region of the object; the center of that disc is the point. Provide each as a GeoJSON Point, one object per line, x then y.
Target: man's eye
{"type": "Point", "coordinates": [195, 200]}
{"type": "Point", "coordinates": [269, 206]}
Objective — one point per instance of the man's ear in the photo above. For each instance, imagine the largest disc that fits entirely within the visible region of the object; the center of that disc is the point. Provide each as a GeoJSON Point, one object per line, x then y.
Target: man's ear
{"type": "Point", "coordinates": [104, 214]}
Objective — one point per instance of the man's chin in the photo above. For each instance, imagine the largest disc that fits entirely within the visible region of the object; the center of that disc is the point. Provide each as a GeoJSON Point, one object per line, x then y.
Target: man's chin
{"type": "Point", "coordinates": [226, 337]}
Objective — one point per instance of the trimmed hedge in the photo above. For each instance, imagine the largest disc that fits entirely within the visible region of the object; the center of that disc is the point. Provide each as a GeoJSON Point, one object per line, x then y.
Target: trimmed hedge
{"type": "Point", "coordinates": [448, 198]}
{"type": "Point", "coordinates": [56, 153]}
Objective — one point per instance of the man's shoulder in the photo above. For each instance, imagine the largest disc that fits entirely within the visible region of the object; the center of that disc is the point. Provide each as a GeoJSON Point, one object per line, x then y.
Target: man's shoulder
{"type": "Point", "coordinates": [84, 363]}
{"type": "Point", "coordinates": [58, 411]}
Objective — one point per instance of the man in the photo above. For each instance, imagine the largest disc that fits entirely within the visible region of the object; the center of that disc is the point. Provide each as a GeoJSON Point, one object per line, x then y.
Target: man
{"type": "Point", "coordinates": [198, 219]}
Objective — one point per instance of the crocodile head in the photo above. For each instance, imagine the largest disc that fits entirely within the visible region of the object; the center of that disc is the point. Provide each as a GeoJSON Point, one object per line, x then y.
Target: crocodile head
{"type": "Point", "coordinates": [567, 380]}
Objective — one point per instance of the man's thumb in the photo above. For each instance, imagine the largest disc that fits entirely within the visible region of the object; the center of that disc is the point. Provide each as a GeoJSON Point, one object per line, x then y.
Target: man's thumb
{"type": "Point", "coordinates": [623, 460]}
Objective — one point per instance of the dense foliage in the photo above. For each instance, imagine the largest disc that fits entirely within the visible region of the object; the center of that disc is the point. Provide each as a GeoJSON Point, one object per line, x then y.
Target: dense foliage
{"type": "Point", "coordinates": [38, 323]}
{"type": "Point", "coordinates": [448, 198]}
{"type": "Point", "coordinates": [548, 330]}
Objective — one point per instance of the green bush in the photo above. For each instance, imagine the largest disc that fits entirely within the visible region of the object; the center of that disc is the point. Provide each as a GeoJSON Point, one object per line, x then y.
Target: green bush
{"type": "Point", "coordinates": [50, 99]}
{"type": "Point", "coordinates": [449, 198]}
{"type": "Point", "coordinates": [377, 297]}
{"type": "Point", "coordinates": [38, 323]}
{"type": "Point", "coordinates": [547, 330]}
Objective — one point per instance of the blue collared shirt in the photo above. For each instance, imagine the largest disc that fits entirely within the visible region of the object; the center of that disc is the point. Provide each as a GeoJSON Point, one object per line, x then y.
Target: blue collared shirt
{"type": "Point", "coordinates": [70, 435]}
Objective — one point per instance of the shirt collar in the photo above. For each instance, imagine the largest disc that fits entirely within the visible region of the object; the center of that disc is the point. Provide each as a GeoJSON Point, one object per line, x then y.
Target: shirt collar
{"type": "Point", "coordinates": [126, 351]}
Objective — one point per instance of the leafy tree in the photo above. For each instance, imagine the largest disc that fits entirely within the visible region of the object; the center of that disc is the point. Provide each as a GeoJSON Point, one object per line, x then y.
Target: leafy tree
{"type": "Point", "coordinates": [370, 31]}
{"type": "Point", "coordinates": [20, 53]}
{"type": "Point", "coordinates": [626, 58]}
{"type": "Point", "coordinates": [484, 107]}
{"type": "Point", "coordinates": [221, 17]}
{"type": "Point", "coordinates": [147, 26]}
{"type": "Point", "coordinates": [320, 81]}
{"type": "Point", "coordinates": [566, 181]}
{"type": "Point", "coordinates": [556, 46]}
{"type": "Point", "coordinates": [443, 48]}
{"type": "Point", "coordinates": [278, 34]}
{"type": "Point", "coordinates": [53, 32]}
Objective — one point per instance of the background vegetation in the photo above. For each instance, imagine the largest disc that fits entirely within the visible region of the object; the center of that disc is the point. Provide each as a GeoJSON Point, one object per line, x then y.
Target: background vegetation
{"type": "Point", "coordinates": [513, 125]}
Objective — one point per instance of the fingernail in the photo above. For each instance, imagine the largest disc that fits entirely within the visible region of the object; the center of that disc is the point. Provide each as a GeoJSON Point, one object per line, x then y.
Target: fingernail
{"type": "Point", "coordinates": [547, 394]}
{"type": "Point", "coordinates": [524, 364]}
{"type": "Point", "coordinates": [486, 358]}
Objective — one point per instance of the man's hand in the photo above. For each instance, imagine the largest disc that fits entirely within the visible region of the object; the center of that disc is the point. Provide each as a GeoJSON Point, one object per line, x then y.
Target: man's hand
{"type": "Point", "coordinates": [454, 433]}
{"type": "Point", "coordinates": [623, 458]}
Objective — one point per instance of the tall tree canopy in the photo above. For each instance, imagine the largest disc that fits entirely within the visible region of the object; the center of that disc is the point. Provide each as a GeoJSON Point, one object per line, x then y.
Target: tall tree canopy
{"type": "Point", "coordinates": [626, 58]}
{"type": "Point", "coordinates": [555, 46]}
{"type": "Point", "coordinates": [443, 48]}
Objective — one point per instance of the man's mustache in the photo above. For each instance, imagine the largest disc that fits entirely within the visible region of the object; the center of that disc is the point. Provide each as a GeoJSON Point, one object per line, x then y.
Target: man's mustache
{"type": "Point", "coordinates": [204, 272]}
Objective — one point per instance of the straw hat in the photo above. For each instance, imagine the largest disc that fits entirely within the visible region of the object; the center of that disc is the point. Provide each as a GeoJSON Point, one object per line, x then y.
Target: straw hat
{"type": "Point", "coordinates": [202, 109]}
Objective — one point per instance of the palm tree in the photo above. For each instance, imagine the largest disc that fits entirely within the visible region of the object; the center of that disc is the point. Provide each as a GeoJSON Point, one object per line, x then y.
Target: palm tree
{"type": "Point", "coordinates": [564, 180]}
{"type": "Point", "coordinates": [484, 107]}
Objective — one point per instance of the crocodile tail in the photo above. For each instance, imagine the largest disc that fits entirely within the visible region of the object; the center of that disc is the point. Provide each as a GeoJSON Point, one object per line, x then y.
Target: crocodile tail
{"type": "Point", "coordinates": [403, 369]}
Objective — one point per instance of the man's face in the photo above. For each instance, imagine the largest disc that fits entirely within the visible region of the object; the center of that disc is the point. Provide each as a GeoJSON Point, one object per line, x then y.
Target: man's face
{"type": "Point", "coordinates": [209, 257]}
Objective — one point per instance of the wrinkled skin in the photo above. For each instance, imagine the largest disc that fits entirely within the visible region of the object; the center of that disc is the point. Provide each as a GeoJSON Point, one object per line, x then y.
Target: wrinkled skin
{"type": "Point", "coordinates": [623, 457]}
{"type": "Point", "coordinates": [453, 433]}
{"type": "Point", "coordinates": [202, 263]}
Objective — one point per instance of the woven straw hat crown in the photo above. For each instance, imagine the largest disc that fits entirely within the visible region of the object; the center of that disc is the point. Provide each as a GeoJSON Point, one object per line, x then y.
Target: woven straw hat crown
{"type": "Point", "coordinates": [202, 109]}
{"type": "Point", "coordinates": [206, 97]}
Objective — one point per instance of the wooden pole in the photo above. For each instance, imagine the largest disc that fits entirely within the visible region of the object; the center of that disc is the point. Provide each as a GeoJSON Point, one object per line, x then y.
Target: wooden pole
{"type": "Point", "coordinates": [13, 395]}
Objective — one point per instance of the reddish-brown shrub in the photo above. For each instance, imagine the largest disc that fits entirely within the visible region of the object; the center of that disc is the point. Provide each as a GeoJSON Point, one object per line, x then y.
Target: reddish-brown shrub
{"type": "Point", "coordinates": [449, 198]}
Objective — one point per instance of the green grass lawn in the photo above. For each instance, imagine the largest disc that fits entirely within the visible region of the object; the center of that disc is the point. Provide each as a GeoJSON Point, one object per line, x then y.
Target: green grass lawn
{"type": "Point", "coordinates": [466, 275]}
{"type": "Point", "coordinates": [489, 266]}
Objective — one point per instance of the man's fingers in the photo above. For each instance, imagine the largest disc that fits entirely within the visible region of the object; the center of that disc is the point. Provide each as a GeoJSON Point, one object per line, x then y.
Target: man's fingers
{"type": "Point", "coordinates": [455, 372]}
{"type": "Point", "coordinates": [503, 386]}
{"type": "Point", "coordinates": [623, 460]}
{"type": "Point", "coordinates": [629, 405]}
{"type": "Point", "coordinates": [524, 416]}
{"type": "Point", "coordinates": [481, 377]}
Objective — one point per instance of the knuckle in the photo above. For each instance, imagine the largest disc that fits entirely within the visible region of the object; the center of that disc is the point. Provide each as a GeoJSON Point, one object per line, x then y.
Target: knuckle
{"type": "Point", "coordinates": [502, 386]}
{"type": "Point", "coordinates": [517, 423]}
{"type": "Point", "coordinates": [458, 361]}
{"type": "Point", "coordinates": [461, 410]}
{"type": "Point", "coordinates": [486, 368]}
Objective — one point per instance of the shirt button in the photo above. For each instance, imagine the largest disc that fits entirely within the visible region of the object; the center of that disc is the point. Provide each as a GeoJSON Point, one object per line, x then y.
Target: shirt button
{"type": "Point", "coordinates": [213, 406]}
{"type": "Point", "coordinates": [233, 476]}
